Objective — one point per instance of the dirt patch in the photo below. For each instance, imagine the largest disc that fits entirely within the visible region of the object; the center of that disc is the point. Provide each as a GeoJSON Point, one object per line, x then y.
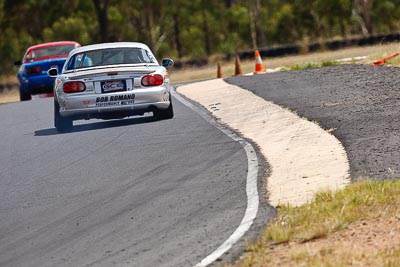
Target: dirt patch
{"type": "Point", "coordinates": [363, 244]}
{"type": "Point", "coordinates": [9, 92]}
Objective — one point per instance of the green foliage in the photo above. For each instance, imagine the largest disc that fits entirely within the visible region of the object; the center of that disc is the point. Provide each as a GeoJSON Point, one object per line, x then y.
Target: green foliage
{"type": "Point", "coordinates": [312, 65]}
{"type": "Point", "coordinates": [187, 29]}
{"type": "Point", "coordinates": [69, 29]}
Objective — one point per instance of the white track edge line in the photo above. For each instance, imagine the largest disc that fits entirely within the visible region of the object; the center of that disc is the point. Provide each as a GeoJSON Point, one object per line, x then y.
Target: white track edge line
{"type": "Point", "coordinates": [251, 186]}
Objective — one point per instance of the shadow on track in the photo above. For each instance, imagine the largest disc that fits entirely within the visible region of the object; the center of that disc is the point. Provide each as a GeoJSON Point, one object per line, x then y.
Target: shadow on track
{"type": "Point", "coordinates": [97, 125]}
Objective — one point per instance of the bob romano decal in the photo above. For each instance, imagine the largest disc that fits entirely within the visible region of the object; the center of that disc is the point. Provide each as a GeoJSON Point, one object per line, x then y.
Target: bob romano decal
{"type": "Point", "coordinates": [115, 100]}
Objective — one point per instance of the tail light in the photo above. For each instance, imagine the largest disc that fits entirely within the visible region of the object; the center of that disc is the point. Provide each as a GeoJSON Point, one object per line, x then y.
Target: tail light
{"type": "Point", "coordinates": [74, 87]}
{"type": "Point", "coordinates": [152, 80]}
{"type": "Point", "coordinates": [33, 70]}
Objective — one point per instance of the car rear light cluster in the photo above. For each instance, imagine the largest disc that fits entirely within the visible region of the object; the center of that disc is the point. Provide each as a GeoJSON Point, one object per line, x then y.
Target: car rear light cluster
{"type": "Point", "coordinates": [152, 80]}
{"type": "Point", "coordinates": [33, 70]}
{"type": "Point", "coordinates": [74, 87]}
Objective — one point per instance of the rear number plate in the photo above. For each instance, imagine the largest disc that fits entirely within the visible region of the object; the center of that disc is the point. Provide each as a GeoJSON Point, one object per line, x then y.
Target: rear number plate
{"type": "Point", "coordinates": [113, 86]}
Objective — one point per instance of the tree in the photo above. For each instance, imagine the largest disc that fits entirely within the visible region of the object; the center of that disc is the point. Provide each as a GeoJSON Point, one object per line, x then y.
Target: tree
{"type": "Point", "coordinates": [361, 10]}
{"type": "Point", "coordinates": [101, 7]}
{"type": "Point", "coordinates": [206, 32]}
{"type": "Point", "coordinates": [256, 23]}
{"type": "Point", "coordinates": [332, 17]}
{"type": "Point", "coordinates": [197, 28]}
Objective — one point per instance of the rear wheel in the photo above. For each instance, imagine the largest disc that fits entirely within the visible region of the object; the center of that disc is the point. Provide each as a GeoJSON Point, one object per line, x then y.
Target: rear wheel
{"type": "Point", "coordinates": [62, 124]}
{"type": "Point", "coordinates": [164, 114]}
{"type": "Point", "coordinates": [23, 96]}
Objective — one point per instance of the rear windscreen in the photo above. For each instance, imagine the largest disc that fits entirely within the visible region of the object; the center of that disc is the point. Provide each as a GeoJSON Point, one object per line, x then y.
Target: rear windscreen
{"type": "Point", "coordinates": [110, 56]}
{"type": "Point", "coordinates": [49, 51]}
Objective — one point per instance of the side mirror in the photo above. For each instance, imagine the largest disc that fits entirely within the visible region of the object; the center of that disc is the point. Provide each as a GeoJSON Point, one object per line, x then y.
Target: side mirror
{"type": "Point", "coordinates": [167, 62]}
{"type": "Point", "coordinates": [18, 63]}
{"type": "Point", "coordinates": [53, 72]}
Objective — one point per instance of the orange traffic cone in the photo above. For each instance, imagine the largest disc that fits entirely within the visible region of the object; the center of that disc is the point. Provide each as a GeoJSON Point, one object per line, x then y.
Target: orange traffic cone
{"type": "Point", "coordinates": [238, 68]}
{"type": "Point", "coordinates": [219, 71]}
{"type": "Point", "coordinates": [383, 60]}
{"type": "Point", "coordinates": [378, 63]}
{"type": "Point", "coordinates": [259, 65]}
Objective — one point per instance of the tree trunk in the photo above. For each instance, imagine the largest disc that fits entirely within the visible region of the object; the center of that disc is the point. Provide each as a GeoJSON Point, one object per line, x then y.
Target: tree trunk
{"type": "Point", "coordinates": [252, 23]}
{"type": "Point", "coordinates": [149, 22]}
{"type": "Point", "coordinates": [366, 8]}
{"type": "Point", "coordinates": [364, 19]}
{"type": "Point", "coordinates": [207, 44]}
{"type": "Point", "coordinates": [101, 10]}
{"type": "Point", "coordinates": [177, 35]}
{"type": "Point", "coordinates": [262, 40]}
{"type": "Point", "coordinates": [228, 3]}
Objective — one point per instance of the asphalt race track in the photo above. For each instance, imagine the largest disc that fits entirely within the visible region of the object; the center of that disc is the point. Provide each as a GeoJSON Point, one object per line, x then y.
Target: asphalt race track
{"type": "Point", "coordinates": [132, 192]}
{"type": "Point", "coordinates": [360, 104]}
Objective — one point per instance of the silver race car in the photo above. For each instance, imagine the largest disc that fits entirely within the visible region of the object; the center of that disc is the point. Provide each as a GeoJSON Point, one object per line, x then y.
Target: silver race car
{"type": "Point", "coordinates": [109, 81]}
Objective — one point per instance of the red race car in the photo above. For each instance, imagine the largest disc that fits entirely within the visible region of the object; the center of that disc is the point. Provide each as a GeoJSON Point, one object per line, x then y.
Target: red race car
{"type": "Point", "coordinates": [38, 59]}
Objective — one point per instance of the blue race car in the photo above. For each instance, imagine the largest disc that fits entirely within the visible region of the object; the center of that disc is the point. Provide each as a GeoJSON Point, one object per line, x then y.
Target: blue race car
{"type": "Point", "coordinates": [38, 59]}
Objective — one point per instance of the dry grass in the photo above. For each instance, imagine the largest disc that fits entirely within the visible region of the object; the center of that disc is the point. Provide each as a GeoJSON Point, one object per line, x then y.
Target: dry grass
{"type": "Point", "coordinates": [357, 226]}
{"type": "Point", "coordinates": [8, 78]}
{"type": "Point", "coordinates": [9, 94]}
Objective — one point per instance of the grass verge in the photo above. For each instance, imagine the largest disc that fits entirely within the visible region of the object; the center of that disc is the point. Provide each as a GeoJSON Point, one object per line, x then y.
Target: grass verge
{"type": "Point", "coordinates": [311, 65]}
{"type": "Point", "coordinates": [358, 225]}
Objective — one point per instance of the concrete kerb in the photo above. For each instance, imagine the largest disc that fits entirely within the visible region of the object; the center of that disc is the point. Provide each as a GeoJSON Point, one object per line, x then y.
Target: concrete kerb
{"type": "Point", "coordinates": [304, 158]}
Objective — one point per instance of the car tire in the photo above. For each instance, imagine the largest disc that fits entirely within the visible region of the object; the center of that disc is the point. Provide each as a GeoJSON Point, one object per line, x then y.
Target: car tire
{"type": "Point", "coordinates": [23, 96]}
{"type": "Point", "coordinates": [61, 123]}
{"type": "Point", "coordinates": [164, 114]}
